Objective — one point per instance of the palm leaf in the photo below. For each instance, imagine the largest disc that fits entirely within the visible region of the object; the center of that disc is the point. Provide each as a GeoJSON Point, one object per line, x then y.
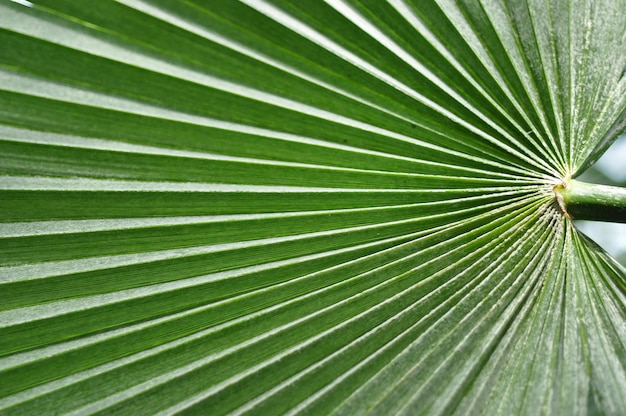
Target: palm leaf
{"type": "Point", "coordinates": [272, 207]}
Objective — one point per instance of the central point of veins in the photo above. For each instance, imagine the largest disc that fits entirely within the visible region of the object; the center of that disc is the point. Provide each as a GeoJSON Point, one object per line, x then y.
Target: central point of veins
{"type": "Point", "coordinates": [559, 193]}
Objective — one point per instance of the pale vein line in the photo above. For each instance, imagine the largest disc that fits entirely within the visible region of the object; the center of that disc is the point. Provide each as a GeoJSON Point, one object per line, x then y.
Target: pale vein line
{"type": "Point", "coordinates": [457, 18]}
{"type": "Point", "coordinates": [35, 228]}
{"type": "Point", "coordinates": [497, 265]}
{"type": "Point", "coordinates": [224, 384]}
{"type": "Point", "coordinates": [42, 183]}
{"type": "Point", "coordinates": [123, 147]}
{"type": "Point", "coordinates": [75, 378]}
{"type": "Point", "coordinates": [58, 384]}
{"type": "Point", "coordinates": [288, 21]}
{"type": "Point", "coordinates": [365, 25]}
{"type": "Point", "coordinates": [409, 14]}
{"type": "Point", "coordinates": [51, 269]}
{"type": "Point", "coordinates": [552, 76]}
{"type": "Point", "coordinates": [165, 378]}
{"type": "Point", "coordinates": [26, 84]}
{"type": "Point", "coordinates": [217, 38]}
{"type": "Point", "coordinates": [18, 359]}
{"type": "Point", "coordinates": [381, 351]}
{"type": "Point", "coordinates": [511, 44]}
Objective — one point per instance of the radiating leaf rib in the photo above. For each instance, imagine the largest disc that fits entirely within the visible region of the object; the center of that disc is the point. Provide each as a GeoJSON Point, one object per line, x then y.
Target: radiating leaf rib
{"type": "Point", "coordinates": [491, 386]}
{"type": "Point", "coordinates": [398, 371]}
{"type": "Point", "coordinates": [54, 313]}
{"type": "Point", "coordinates": [187, 99]}
{"type": "Point", "coordinates": [230, 401]}
{"type": "Point", "coordinates": [523, 55]}
{"type": "Point", "coordinates": [370, 28]}
{"type": "Point", "coordinates": [275, 13]}
{"type": "Point", "coordinates": [603, 341]}
{"type": "Point", "coordinates": [501, 63]}
{"type": "Point", "coordinates": [304, 207]}
{"type": "Point", "coordinates": [539, 19]}
{"type": "Point", "coordinates": [222, 230]}
{"type": "Point", "coordinates": [424, 407]}
{"type": "Point", "coordinates": [468, 68]}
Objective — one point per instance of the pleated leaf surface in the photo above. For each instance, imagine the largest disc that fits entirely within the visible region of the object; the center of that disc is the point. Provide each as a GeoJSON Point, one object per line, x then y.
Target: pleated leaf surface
{"type": "Point", "coordinates": [306, 207]}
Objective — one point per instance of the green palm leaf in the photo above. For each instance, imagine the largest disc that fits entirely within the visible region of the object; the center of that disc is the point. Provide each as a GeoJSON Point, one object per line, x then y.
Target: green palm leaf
{"type": "Point", "coordinates": [271, 207]}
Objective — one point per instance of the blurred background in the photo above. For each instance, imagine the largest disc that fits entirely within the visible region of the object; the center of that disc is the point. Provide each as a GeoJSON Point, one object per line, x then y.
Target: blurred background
{"type": "Point", "coordinates": [609, 170]}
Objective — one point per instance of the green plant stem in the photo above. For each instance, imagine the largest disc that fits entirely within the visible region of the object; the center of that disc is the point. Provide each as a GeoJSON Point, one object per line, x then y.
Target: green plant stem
{"type": "Point", "coordinates": [585, 201]}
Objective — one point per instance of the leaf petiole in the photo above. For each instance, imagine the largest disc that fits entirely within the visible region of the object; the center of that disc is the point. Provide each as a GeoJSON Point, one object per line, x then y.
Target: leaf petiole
{"type": "Point", "coordinates": [585, 201]}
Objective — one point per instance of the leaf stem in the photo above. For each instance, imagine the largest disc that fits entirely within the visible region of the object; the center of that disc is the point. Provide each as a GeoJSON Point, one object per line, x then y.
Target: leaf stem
{"type": "Point", "coordinates": [586, 201]}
